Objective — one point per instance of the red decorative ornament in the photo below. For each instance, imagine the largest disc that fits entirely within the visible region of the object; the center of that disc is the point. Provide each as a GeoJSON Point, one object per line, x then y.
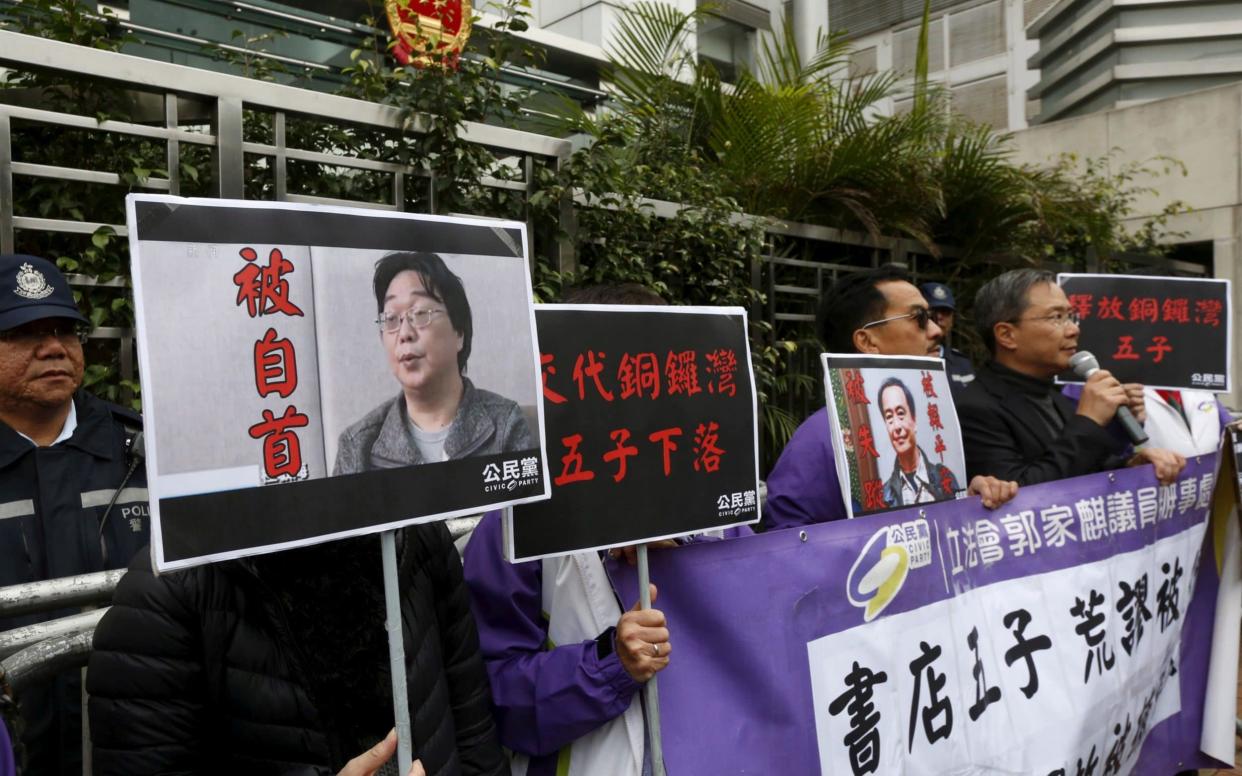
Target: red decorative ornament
{"type": "Point", "coordinates": [428, 31]}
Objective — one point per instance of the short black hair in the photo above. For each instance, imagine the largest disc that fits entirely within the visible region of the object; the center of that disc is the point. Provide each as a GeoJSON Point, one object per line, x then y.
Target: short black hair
{"type": "Point", "coordinates": [1004, 298]}
{"type": "Point", "coordinates": [439, 282]}
{"type": "Point", "coordinates": [851, 302]}
{"type": "Point", "coordinates": [889, 383]}
{"type": "Point", "coordinates": [612, 293]}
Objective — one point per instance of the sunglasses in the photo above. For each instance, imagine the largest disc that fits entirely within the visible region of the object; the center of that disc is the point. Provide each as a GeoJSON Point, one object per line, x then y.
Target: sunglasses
{"type": "Point", "coordinates": [921, 316]}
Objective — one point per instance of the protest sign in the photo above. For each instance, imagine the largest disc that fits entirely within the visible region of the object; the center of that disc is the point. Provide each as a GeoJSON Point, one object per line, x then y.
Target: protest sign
{"type": "Point", "coordinates": [895, 432]}
{"type": "Point", "coordinates": [651, 427]}
{"type": "Point", "coordinates": [1060, 634]}
{"type": "Point", "coordinates": [288, 353]}
{"type": "Point", "coordinates": [1162, 332]}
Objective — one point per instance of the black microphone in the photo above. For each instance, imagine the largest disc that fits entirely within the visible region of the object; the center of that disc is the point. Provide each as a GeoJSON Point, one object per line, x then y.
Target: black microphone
{"type": "Point", "coordinates": [1084, 365]}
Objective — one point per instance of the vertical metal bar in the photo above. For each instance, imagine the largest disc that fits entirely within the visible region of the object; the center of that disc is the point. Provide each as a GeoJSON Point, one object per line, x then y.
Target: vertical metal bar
{"type": "Point", "coordinates": [6, 185]}
{"type": "Point", "coordinates": [528, 169]}
{"type": "Point", "coordinates": [431, 192]}
{"type": "Point", "coordinates": [173, 147]}
{"type": "Point", "coordinates": [230, 159]}
{"type": "Point", "coordinates": [279, 163]}
{"type": "Point", "coordinates": [651, 694]}
{"type": "Point", "coordinates": [398, 190]}
{"type": "Point", "coordinates": [396, 650]}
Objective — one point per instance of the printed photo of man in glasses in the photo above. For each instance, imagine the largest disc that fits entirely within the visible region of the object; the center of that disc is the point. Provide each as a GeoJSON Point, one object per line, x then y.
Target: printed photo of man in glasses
{"type": "Point", "coordinates": [915, 479]}
{"type": "Point", "coordinates": [425, 327]}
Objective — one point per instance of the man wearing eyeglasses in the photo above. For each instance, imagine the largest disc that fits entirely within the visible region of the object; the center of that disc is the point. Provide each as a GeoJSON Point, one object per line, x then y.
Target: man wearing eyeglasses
{"type": "Point", "coordinates": [1015, 421]}
{"type": "Point", "coordinates": [73, 492]}
{"type": "Point", "coordinates": [425, 328]}
{"type": "Point", "coordinates": [879, 312]}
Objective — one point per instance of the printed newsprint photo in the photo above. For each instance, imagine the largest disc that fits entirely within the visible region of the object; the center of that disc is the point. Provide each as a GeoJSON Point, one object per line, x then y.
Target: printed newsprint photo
{"type": "Point", "coordinates": [311, 373]}
{"type": "Point", "coordinates": [1163, 332]}
{"type": "Point", "coordinates": [651, 427]}
{"type": "Point", "coordinates": [894, 431]}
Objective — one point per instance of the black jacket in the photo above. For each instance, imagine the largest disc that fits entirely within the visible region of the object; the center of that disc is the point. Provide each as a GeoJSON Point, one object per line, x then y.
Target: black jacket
{"type": "Point", "coordinates": [52, 500]}
{"type": "Point", "coordinates": [1006, 436]}
{"type": "Point", "coordinates": [219, 670]}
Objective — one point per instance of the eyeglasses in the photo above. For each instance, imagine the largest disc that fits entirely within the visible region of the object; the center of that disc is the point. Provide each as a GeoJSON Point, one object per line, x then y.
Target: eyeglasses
{"type": "Point", "coordinates": [1058, 320]}
{"type": "Point", "coordinates": [418, 319]}
{"type": "Point", "coordinates": [36, 331]}
{"type": "Point", "coordinates": [921, 316]}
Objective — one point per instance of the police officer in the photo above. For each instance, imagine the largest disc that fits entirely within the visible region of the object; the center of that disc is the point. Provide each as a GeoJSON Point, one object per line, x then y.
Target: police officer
{"type": "Point", "coordinates": [73, 490]}
{"type": "Point", "coordinates": [940, 301]}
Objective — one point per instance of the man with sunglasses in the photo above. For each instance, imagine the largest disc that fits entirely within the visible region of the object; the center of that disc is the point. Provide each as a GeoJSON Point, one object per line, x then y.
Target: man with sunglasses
{"type": "Point", "coordinates": [73, 492]}
{"type": "Point", "coordinates": [879, 312]}
{"type": "Point", "coordinates": [1016, 423]}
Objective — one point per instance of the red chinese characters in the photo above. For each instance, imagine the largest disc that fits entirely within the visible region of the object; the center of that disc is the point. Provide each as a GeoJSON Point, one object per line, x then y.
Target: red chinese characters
{"type": "Point", "coordinates": [722, 364]}
{"type": "Point", "coordinates": [639, 375]}
{"type": "Point", "coordinates": [264, 291]}
{"type": "Point", "coordinates": [1158, 348]}
{"type": "Point", "coordinates": [1175, 311]}
{"type": "Point", "coordinates": [855, 388]}
{"type": "Point", "coordinates": [866, 442]}
{"type": "Point", "coordinates": [275, 366]}
{"type": "Point", "coordinates": [706, 453]}
{"type": "Point", "coordinates": [571, 463]}
{"type": "Point", "coordinates": [621, 452]}
{"type": "Point", "coordinates": [1110, 307]}
{"type": "Point", "coordinates": [929, 387]}
{"type": "Point", "coordinates": [933, 417]}
{"type": "Point", "coordinates": [282, 455]}
{"type": "Point", "coordinates": [1207, 312]}
{"type": "Point", "coordinates": [1145, 309]}
{"type": "Point", "coordinates": [545, 365]}
{"type": "Point", "coordinates": [681, 373]}
{"type": "Point", "coordinates": [873, 495]}
{"type": "Point", "coordinates": [1081, 304]}
{"type": "Point", "coordinates": [590, 365]}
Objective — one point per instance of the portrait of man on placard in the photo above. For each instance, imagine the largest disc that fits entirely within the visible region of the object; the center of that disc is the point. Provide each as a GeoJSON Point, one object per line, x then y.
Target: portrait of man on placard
{"type": "Point", "coordinates": [426, 328]}
{"type": "Point", "coordinates": [915, 478]}
{"type": "Point", "coordinates": [896, 436]}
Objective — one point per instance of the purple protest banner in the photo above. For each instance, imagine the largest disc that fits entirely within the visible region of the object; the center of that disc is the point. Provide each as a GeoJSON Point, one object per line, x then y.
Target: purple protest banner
{"type": "Point", "coordinates": [1032, 639]}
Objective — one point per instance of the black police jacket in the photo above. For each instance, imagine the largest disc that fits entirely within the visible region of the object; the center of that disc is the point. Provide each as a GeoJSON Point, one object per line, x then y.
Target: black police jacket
{"type": "Point", "coordinates": [53, 498]}
{"type": "Point", "coordinates": [52, 501]}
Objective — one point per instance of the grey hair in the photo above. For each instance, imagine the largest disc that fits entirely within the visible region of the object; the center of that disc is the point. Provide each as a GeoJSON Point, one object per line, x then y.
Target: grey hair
{"type": "Point", "coordinates": [1005, 298]}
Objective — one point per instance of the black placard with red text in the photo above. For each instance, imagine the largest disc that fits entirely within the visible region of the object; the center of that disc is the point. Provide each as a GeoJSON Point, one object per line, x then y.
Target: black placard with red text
{"type": "Point", "coordinates": [1163, 332]}
{"type": "Point", "coordinates": [651, 431]}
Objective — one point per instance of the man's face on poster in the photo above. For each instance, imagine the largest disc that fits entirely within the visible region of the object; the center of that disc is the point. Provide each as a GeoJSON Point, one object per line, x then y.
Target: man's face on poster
{"type": "Point", "coordinates": [420, 355]}
{"type": "Point", "coordinates": [898, 419]}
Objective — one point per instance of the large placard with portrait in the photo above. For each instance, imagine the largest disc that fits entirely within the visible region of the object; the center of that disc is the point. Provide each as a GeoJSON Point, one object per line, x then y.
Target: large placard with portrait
{"type": "Point", "coordinates": [1164, 332]}
{"type": "Point", "coordinates": [651, 427]}
{"type": "Point", "coordinates": [311, 373]}
{"type": "Point", "coordinates": [896, 438]}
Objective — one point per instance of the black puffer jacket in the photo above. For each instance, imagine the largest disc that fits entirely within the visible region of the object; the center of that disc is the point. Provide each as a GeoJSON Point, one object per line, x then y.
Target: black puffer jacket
{"type": "Point", "coordinates": [278, 664]}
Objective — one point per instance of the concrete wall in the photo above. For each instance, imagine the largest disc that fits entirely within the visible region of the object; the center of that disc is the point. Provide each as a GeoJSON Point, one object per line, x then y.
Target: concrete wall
{"type": "Point", "coordinates": [1203, 130]}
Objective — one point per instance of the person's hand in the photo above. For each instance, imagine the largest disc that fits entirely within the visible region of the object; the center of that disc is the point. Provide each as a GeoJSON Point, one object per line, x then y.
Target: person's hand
{"type": "Point", "coordinates": [630, 552]}
{"type": "Point", "coordinates": [1134, 400]}
{"type": "Point", "coordinates": [370, 761]}
{"type": "Point", "coordinates": [642, 641]}
{"type": "Point", "coordinates": [1167, 463]}
{"type": "Point", "coordinates": [992, 491]}
{"type": "Point", "coordinates": [1101, 396]}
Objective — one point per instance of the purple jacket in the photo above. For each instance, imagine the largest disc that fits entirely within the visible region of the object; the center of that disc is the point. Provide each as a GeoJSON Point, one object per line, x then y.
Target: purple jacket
{"type": "Point", "coordinates": [543, 698]}
{"type": "Point", "coordinates": [803, 487]}
{"type": "Point", "coordinates": [7, 766]}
